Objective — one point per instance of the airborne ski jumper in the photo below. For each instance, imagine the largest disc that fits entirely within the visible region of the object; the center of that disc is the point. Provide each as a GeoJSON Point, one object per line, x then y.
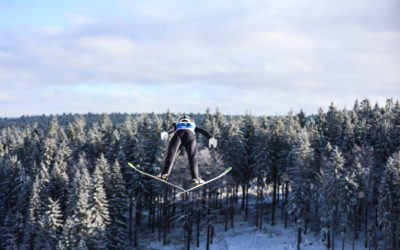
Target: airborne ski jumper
{"type": "Point", "coordinates": [185, 134]}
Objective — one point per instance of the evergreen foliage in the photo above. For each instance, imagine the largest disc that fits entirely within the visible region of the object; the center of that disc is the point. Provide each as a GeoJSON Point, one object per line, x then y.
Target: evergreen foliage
{"type": "Point", "coordinates": [65, 184]}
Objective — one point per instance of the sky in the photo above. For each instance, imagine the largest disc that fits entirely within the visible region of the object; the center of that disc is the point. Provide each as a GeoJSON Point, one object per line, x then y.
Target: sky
{"type": "Point", "coordinates": [266, 57]}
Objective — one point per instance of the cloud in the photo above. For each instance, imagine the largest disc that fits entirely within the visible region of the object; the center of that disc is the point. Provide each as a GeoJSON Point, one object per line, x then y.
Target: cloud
{"type": "Point", "coordinates": [238, 55]}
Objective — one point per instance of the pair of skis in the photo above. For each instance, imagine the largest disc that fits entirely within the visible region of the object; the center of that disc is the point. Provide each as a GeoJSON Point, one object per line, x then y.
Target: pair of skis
{"type": "Point", "coordinates": [183, 191]}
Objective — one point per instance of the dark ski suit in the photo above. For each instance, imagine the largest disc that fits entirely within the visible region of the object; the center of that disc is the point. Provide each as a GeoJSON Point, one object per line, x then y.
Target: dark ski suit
{"type": "Point", "coordinates": [186, 137]}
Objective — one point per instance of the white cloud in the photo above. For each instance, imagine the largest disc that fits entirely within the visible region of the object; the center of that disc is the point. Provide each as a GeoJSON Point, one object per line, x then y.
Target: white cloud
{"type": "Point", "coordinates": [237, 55]}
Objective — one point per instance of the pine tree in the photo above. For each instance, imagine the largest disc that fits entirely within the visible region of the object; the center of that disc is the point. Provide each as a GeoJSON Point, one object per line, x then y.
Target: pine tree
{"type": "Point", "coordinates": [347, 196]}
{"type": "Point", "coordinates": [14, 184]}
{"type": "Point", "coordinates": [281, 139]}
{"type": "Point", "coordinates": [262, 170]}
{"type": "Point", "coordinates": [331, 174]}
{"type": "Point", "coordinates": [231, 145]}
{"type": "Point", "coordinates": [389, 202]}
{"type": "Point", "coordinates": [301, 117]}
{"type": "Point", "coordinates": [34, 209]}
{"type": "Point", "coordinates": [104, 170]}
{"type": "Point", "coordinates": [318, 143]}
{"type": "Point", "coordinates": [69, 238]}
{"type": "Point", "coordinates": [160, 147]}
{"type": "Point", "coordinates": [301, 182]}
{"type": "Point", "coordinates": [118, 228]}
{"type": "Point", "coordinates": [54, 128]}
{"type": "Point", "coordinates": [247, 153]}
{"type": "Point", "coordinates": [76, 227]}
{"type": "Point", "coordinates": [74, 188]}
{"type": "Point", "coordinates": [50, 149]}
{"type": "Point", "coordinates": [109, 137]}
{"type": "Point", "coordinates": [395, 138]}
{"type": "Point", "coordinates": [334, 122]}
{"type": "Point", "coordinates": [98, 213]}
{"type": "Point", "coordinates": [50, 227]}
{"type": "Point", "coordinates": [93, 146]}
{"type": "Point", "coordinates": [59, 179]}
{"type": "Point", "coordinates": [360, 168]}
{"type": "Point", "coordinates": [347, 140]}
{"type": "Point", "coordinates": [33, 149]}
{"type": "Point", "coordinates": [76, 135]}
{"type": "Point", "coordinates": [8, 234]}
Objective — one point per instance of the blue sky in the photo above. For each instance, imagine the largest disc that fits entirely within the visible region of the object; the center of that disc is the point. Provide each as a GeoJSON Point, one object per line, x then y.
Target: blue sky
{"type": "Point", "coordinates": [267, 57]}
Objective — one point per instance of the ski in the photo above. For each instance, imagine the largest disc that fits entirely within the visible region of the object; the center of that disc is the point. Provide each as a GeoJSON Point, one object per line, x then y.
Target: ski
{"type": "Point", "coordinates": [206, 182]}
{"type": "Point", "coordinates": [154, 177]}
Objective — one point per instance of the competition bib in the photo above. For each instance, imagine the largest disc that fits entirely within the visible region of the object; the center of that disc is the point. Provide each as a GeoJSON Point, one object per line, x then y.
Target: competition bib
{"type": "Point", "coordinates": [185, 125]}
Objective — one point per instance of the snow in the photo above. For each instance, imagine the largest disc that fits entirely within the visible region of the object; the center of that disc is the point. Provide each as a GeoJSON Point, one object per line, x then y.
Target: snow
{"type": "Point", "coordinates": [249, 237]}
{"type": "Point", "coordinates": [245, 236]}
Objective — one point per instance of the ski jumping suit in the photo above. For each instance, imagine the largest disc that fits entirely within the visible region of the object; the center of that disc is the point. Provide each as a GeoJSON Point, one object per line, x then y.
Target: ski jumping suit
{"type": "Point", "coordinates": [185, 135]}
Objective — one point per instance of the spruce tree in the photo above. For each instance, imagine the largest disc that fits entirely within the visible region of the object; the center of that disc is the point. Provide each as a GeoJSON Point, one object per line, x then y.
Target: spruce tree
{"type": "Point", "coordinates": [333, 128]}
{"type": "Point", "coordinates": [347, 135]}
{"type": "Point", "coordinates": [331, 174]}
{"type": "Point", "coordinates": [98, 213]}
{"type": "Point", "coordinates": [118, 200]}
{"type": "Point", "coordinates": [93, 146]}
{"type": "Point", "coordinates": [77, 136]}
{"type": "Point", "coordinates": [389, 202]}
{"type": "Point", "coordinates": [104, 170]}
{"type": "Point", "coordinates": [34, 210]}
{"type": "Point", "coordinates": [50, 150]}
{"type": "Point", "coordinates": [281, 139]}
{"type": "Point", "coordinates": [302, 180]}
{"type": "Point", "coordinates": [77, 225]}
{"type": "Point", "coordinates": [59, 179]}
{"type": "Point", "coordinates": [75, 185]}
{"type": "Point", "coordinates": [248, 154]}
{"type": "Point", "coordinates": [50, 227]}
{"type": "Point", "coordinates": [8, 232]}
{"type": "Point", "coordinates": [347, 197]}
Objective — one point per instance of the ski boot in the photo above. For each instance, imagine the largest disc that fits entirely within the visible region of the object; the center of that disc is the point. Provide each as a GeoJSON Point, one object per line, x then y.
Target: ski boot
{"type": "Point", "coordinates": [162, 176]}
{"type": "Point", "coordinates": [197, 181]}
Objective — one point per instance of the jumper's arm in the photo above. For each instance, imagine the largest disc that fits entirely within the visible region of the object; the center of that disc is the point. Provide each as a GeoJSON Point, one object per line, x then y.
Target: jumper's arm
{"type": "Point", "coordinates": [172, 128]}
{"type": "Point", "coordinates": [203, 132]}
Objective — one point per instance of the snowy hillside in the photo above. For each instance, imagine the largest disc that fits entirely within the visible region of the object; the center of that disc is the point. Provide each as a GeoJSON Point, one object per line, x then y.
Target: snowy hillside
{"type": "Point", "coordinates": [245, 236]}
{"type": "Point", "coordinates": [65, 182]}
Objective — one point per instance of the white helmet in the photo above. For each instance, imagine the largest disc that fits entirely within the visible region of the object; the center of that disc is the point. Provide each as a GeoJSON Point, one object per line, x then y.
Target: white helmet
{"type": "Point", "coordinates": [185, 118]}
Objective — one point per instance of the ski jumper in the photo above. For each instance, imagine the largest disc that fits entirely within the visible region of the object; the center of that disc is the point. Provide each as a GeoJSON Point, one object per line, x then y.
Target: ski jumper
{"type": "Point", "coordinates": [185, 135]}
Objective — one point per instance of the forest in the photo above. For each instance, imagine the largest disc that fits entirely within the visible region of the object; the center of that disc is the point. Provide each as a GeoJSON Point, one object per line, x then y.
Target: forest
{"type": "Point", "coordinates": [65, 182]}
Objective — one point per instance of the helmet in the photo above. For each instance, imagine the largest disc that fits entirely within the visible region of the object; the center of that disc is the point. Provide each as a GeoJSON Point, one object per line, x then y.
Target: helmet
{"type": "Point", "coordinates": [185, 118]}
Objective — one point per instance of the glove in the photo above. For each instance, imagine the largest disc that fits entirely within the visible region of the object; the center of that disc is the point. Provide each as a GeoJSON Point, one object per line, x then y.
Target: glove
{"type": "Point", "coordinates": [212, 142]}
{"type": "Point", "coordinates": [164, 136]}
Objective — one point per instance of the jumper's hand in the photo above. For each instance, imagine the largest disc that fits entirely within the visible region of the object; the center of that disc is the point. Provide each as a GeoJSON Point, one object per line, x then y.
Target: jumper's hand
{"type": "Point", "coordinates": [212, 142]}
{"type": "Point", "coordinates": [164, 136]}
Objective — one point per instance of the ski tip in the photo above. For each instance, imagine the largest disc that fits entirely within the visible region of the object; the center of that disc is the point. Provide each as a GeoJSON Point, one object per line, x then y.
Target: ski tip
{"type": "Point", "coordinates": [130, 164]}
{"type": "Point", "coordinates": [229, 169]}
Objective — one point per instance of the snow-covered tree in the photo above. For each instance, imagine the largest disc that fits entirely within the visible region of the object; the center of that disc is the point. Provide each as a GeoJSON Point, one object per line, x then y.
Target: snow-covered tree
{"type": "Point", "coordinates": [389, 202]}
{"type": "Point", "coordinates": [50, 227]}
{"type": "Point", "coordinates": [50, 149]}
{"type": "Point", "coordinates": [347, 140]}
{"type": "Point", "coordinates": [348, 199]}
{"type": "Point", "coordinates": [55, 157]}
{"type": "Point", "coordinates": [118, 228]}
{"type": "Point", "coordinates": [59, 179]}
{"type": "Point", "coordinates": [98, 213]}
{"type": "Point", "coordinates": [8, 232]}
{"type": "Point", "coordinates": [302, 180]}
{"type": "Point", "coordinates": [76, 227]}
{"type": "Point", "coordinates": [332, 128]}
{"type": "Point", "coordinates": [331, 174]}
{"type": "Point", "coordinates": [280, 141]}
{"type": "Point", "coordinates": [34, 210]}
{"type": "Point", "coordinates": [93, 147]}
